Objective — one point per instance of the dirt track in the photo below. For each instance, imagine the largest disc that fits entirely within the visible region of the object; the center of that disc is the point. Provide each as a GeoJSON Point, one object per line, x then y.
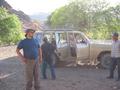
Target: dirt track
{"type": "Point", "coordinates": [79, 78]}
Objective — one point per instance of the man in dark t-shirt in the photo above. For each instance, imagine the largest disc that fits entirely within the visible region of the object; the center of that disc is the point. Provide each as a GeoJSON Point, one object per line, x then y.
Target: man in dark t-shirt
{"type": "Point", "coordinates": [31, 56]}
{"type": "Point", "coordinates": [47, 52]}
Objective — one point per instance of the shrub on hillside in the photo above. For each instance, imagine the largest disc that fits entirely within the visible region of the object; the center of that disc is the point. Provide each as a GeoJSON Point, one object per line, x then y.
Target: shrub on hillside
{"type": "Point", "coordinates": [10, 28]}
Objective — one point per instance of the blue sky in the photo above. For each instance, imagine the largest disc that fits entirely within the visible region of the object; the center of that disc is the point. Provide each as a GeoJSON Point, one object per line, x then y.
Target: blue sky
{"type": "Point", "coordinates": [47, 6]}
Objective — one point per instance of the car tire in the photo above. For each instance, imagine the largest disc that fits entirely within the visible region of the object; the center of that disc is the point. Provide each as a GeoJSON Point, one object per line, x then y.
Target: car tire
{"type": "Point", "coordinates": [105, 60]}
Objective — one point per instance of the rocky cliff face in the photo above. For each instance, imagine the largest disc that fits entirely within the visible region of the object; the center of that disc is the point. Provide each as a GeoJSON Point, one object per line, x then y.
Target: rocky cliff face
{"type": "Point", "coordinates": [4, 4]}
{"type": "Point", "coordinates": [26, 20]}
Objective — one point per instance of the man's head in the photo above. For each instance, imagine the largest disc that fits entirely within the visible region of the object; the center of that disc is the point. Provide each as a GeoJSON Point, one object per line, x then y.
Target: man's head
{"type": "Point", "coordinates": [115, 36]}
{"type": "Point", "coordinates": [45, 39]}
{"type": "Point", "coordinates": [53, 39]}
{"type": "Point", "coordinates": [29, 33]}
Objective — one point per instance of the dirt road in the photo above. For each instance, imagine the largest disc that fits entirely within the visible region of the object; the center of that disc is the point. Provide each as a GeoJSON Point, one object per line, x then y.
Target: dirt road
{"type": "Point", "coordinates": [12, 78]}
{"type": "Point", "coordinates": [79, 78]}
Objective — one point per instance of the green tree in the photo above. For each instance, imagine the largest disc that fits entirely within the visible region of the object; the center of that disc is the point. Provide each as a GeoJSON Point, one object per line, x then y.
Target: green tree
{"type": "Point", "coordinates": [72, 15]}
{"type": "Point", "coordinates": [10, 28]}
{"type": "Point", "coordinates": [93, 17]}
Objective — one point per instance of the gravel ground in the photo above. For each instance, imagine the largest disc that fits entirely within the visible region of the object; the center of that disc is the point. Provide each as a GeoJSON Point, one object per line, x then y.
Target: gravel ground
{"type": "Point", "coordinates": [72, 78]}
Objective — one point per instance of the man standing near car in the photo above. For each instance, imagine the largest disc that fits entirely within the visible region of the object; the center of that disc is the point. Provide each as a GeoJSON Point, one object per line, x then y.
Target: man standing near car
{"type": "Point", "coordinates": [115, 56]}
{"type": "Point", "coordinates": [47, 53]}
{"type": "Point", "coordinates": [72, 42]}
{"type": "Point", "coordinates": [31, 57]}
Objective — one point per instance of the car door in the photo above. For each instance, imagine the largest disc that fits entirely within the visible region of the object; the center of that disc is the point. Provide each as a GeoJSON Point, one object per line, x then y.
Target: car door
{"type": "Point", "coordinates": [82, 46]}
{"type": "Point", "coordinates": [61, 42]}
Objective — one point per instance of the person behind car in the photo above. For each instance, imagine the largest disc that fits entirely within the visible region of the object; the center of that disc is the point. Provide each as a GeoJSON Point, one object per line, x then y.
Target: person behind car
{"type": "Point", "coordinates": [47, 52]}
{"type": "Point", "coordinates": [53, 43]}
{"type": "Point", "coordinates": [115, 56]}
{"type": "Point", "coordinates": [72, 43]}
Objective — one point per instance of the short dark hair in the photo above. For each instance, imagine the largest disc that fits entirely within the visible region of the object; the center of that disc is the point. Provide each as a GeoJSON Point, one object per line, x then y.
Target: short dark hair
{"type": "Point", "coordinates": [45, 39]}
{"type": "Point", "coordinates": [115, 34]}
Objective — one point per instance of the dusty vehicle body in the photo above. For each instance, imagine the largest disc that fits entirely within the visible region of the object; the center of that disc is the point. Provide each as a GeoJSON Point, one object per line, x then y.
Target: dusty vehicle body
{"type": "Point", "coordinates": [86, 51]}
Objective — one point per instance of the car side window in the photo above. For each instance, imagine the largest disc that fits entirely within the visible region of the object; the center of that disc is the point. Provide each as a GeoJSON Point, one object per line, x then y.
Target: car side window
{"type": "Point", "coordinates": [62, 38]}
{"type": "Point", "coordinates": [49, 36]}
{"type": "Point", "coordinates": [79, 38]}
{"type": "Point", "coordinates": [38, 37]}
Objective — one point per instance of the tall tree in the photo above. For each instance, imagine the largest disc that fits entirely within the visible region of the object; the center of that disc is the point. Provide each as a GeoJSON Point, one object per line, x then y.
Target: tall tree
{"type": "Point", "coordinates": [93, 17]}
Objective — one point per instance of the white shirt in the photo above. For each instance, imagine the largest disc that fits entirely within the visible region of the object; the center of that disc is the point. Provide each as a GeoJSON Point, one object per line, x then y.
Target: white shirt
{"type": "Point", "coordinates": [115, 50]}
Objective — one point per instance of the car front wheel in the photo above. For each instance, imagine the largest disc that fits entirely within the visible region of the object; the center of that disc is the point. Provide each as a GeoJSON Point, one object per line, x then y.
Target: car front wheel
{"type": "Point", "coordinates": [105, 60]}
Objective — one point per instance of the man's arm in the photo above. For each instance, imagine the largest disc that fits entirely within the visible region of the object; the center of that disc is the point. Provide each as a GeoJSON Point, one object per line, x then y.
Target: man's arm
{"type": "Point", "coordinates": [40, 55]}
{"type": "Point", "coordinates": [20, 55]}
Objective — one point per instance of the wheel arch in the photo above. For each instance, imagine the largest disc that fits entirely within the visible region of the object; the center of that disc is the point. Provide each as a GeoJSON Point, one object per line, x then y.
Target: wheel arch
{"type": "Point", "coordinates": [102, 53]}
{"type": "Point", "coordinates": [101, 63]}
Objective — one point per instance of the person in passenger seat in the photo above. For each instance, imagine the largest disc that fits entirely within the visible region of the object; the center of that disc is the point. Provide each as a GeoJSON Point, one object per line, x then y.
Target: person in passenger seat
{"type": "Point", "coordinates": [72, 43]}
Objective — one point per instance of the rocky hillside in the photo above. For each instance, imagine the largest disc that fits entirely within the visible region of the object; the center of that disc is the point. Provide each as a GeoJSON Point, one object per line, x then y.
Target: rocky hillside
{"type": "Point", "coordinates": [26, 20]}
{"type": "Point", "coordinates": [4, 4]}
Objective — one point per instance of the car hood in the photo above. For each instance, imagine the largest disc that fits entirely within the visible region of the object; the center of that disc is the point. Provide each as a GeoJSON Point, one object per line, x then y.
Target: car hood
{"type": "Point", "coordinates": [101, 42]}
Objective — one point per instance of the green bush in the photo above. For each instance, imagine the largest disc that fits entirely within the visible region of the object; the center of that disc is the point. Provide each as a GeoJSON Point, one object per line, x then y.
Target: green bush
{"type": "Point", "coordinates": [10, 28]}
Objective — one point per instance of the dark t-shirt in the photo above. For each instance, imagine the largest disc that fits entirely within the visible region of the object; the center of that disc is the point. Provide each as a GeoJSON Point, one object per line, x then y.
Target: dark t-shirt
{"type": "Point", "coordinates": [30, 48]}
{"type": "Point", "coordinates": [53, 43]}
{"type": "Point", "coordinates": [47, 51]}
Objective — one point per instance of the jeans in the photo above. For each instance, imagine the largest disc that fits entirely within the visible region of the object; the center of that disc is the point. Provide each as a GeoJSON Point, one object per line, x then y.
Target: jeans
{"type": "Point", "coordinates": [52, 69]}
{"type": "Point", "coordinates": [73, 51]}
{"type": "Point", "coordinates": [115, 62]}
